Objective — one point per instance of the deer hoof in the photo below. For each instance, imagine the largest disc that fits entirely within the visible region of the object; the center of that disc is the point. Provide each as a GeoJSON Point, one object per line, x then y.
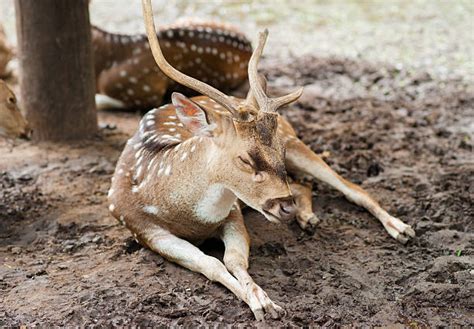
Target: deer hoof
{"type": "Point", "coordinates": [399, 230]}
{"type": "Point", "coordinates": [406, 234]}
{"type": "Point", "coordinates": [308, 222]}
{"type": "Point", "coordinates": [260, 303]}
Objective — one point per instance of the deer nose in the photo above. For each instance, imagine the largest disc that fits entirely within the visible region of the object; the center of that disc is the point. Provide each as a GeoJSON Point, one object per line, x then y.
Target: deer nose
{"type": "Point", "coordinates": [283, 208]}
{"type": "Point", "coordinates": [26, 134]}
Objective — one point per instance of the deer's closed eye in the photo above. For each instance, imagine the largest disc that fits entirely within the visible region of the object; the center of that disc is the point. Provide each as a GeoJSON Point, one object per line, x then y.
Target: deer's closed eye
{"type": "Point", "coordinates": [246, 163]}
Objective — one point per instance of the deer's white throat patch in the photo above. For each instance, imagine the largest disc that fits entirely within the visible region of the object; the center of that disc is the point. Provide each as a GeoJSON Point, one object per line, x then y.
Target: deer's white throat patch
{"type": "Point", "coordinates": [216, 204]}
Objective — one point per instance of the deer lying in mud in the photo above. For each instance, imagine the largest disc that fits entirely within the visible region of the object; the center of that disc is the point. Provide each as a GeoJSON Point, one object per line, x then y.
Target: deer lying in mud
{"type": "Point", "coordinates": [12, 122]}
{"type": "Point", "coordinates": [126, 71]}
{"type": "Point", "coordinates": [179, 178]}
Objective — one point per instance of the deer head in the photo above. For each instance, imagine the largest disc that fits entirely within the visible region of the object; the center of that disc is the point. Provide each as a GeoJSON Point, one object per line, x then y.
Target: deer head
{"type": "Point", "coordinates": [249, 154]}
{"type": "Point", "coordinates": [12, 122]}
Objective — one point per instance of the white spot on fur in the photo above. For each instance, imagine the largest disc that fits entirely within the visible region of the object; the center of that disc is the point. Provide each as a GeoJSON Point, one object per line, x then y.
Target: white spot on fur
{"type": "Point", "coordinates": [138, 154]}
{"type": "Point", "coordinates": [139, 170]}
{"type": "Point", "coordinates": [112, 207]}
{"type": "Point", "coordinates": [151, 210]}
{"type": "Point", "coordinates": [137, 146]}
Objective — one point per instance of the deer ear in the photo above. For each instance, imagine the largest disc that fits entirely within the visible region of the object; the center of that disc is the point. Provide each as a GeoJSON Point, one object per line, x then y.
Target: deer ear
{"type": "Point", "coordinates": [194, 118]}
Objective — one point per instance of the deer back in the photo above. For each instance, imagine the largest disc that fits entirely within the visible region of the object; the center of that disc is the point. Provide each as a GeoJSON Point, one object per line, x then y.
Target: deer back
{"type": "Point", "coordinates": [125, 68]}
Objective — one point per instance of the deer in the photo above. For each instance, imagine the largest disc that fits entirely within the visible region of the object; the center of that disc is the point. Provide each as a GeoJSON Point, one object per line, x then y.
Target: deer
{"type": "Point", "coordinates": [126, 72]}
{"type": "Point", "coordinates": [183, 175]}
{"type": "Point", "coordinates": [6, 54]}
{"type": "Point", "coordinates": [12, 123]}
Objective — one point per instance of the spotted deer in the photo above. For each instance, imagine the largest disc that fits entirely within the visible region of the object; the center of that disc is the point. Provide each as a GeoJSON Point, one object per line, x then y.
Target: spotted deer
{"type": "Point", "coordinates": [126, 71]}
{"type": "Point", "coordinates": [12, 122]}
{"type": "Point", "coordinates": [180, 177]}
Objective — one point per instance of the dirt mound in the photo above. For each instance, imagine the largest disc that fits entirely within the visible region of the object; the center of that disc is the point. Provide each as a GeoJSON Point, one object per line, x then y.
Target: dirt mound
{"type": "Point", "coordinates": [404, 136]}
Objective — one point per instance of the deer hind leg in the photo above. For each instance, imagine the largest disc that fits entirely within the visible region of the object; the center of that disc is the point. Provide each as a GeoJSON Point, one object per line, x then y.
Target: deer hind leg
{"type": "Point", "coordinates": [236, 241]}
{"type": "Point", "coordinates": [304, 205]}
{"type": "Point", "coordinates": [301, 159]}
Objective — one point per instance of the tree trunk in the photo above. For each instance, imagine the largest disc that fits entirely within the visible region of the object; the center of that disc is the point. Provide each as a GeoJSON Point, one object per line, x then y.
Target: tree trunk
{"type": "Point", "coordinates": [56, 68]}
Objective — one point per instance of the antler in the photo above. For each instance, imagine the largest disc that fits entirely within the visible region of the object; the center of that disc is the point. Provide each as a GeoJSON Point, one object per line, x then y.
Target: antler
{"type": "Point", "coordinates": [176, 75]}
{"type": "Point", "coordinates": [266, 103]}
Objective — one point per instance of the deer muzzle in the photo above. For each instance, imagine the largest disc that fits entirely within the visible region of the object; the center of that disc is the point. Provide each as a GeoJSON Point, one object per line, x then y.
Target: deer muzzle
{"type": "Point", "coordinates": [281, 208]}
{"type": "Point", "coordinates": [26, 133]}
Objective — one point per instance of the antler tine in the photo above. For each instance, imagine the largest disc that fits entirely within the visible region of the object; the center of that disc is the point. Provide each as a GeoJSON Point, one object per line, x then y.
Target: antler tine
{"type": "Point", "coordinates": [276, 103]}
{"type": "Point", "coordinates": [266, 103]}
{"type": "Point", "coordinates": [256, 88]}
{"type": "Point", "coordinates": [176, 75]}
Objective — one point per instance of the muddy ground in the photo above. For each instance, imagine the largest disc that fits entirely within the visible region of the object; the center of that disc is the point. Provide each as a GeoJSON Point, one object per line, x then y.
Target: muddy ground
{"type": "Point", "coordinates": [404, 136]}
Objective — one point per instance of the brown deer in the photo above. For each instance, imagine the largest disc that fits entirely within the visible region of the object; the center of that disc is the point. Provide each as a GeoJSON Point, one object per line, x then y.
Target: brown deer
{"type": "Point", "coordinates": [179, 178]}
{"type": "Point", "coordinates": [126, 71]}
{"type": "Point", "coordinates": [6, 54]}
{"type": "Point", "coordinates": [12, 122]}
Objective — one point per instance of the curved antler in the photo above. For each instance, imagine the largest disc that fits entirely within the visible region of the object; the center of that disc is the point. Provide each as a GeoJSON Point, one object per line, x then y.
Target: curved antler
{"type": "Point", "coordinates": [266, 103]}
{"type": "Point", "coordinates": [176, 75]}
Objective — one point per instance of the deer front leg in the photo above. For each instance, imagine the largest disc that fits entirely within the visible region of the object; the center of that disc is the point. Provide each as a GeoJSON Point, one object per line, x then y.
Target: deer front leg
{"type": "Point", "coordinates": [301, 159]}
{"type": "Point", "coordinates": [236, 240]}
{"type": "Point", "coordinates": [304, 206]}
{"type": "Point", "coordinates": [189, 256]}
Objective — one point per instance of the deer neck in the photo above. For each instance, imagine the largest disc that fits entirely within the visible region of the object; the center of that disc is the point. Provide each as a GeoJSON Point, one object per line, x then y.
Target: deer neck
{"type": "Point", "coordinates": [217, 200]}
{"type": "Point", "coordinates": [206, 197]}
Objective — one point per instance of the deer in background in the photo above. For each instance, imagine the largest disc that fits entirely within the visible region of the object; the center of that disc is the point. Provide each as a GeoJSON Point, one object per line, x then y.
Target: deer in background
{"type": "Point", "coordinates": [180, 177]}
{"type": "Point", "coordinates": [12, 122]}
{"type": "Point", "coordinates": [6, 54]}
{"type": "Point", "coordinates": [126, 71]}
